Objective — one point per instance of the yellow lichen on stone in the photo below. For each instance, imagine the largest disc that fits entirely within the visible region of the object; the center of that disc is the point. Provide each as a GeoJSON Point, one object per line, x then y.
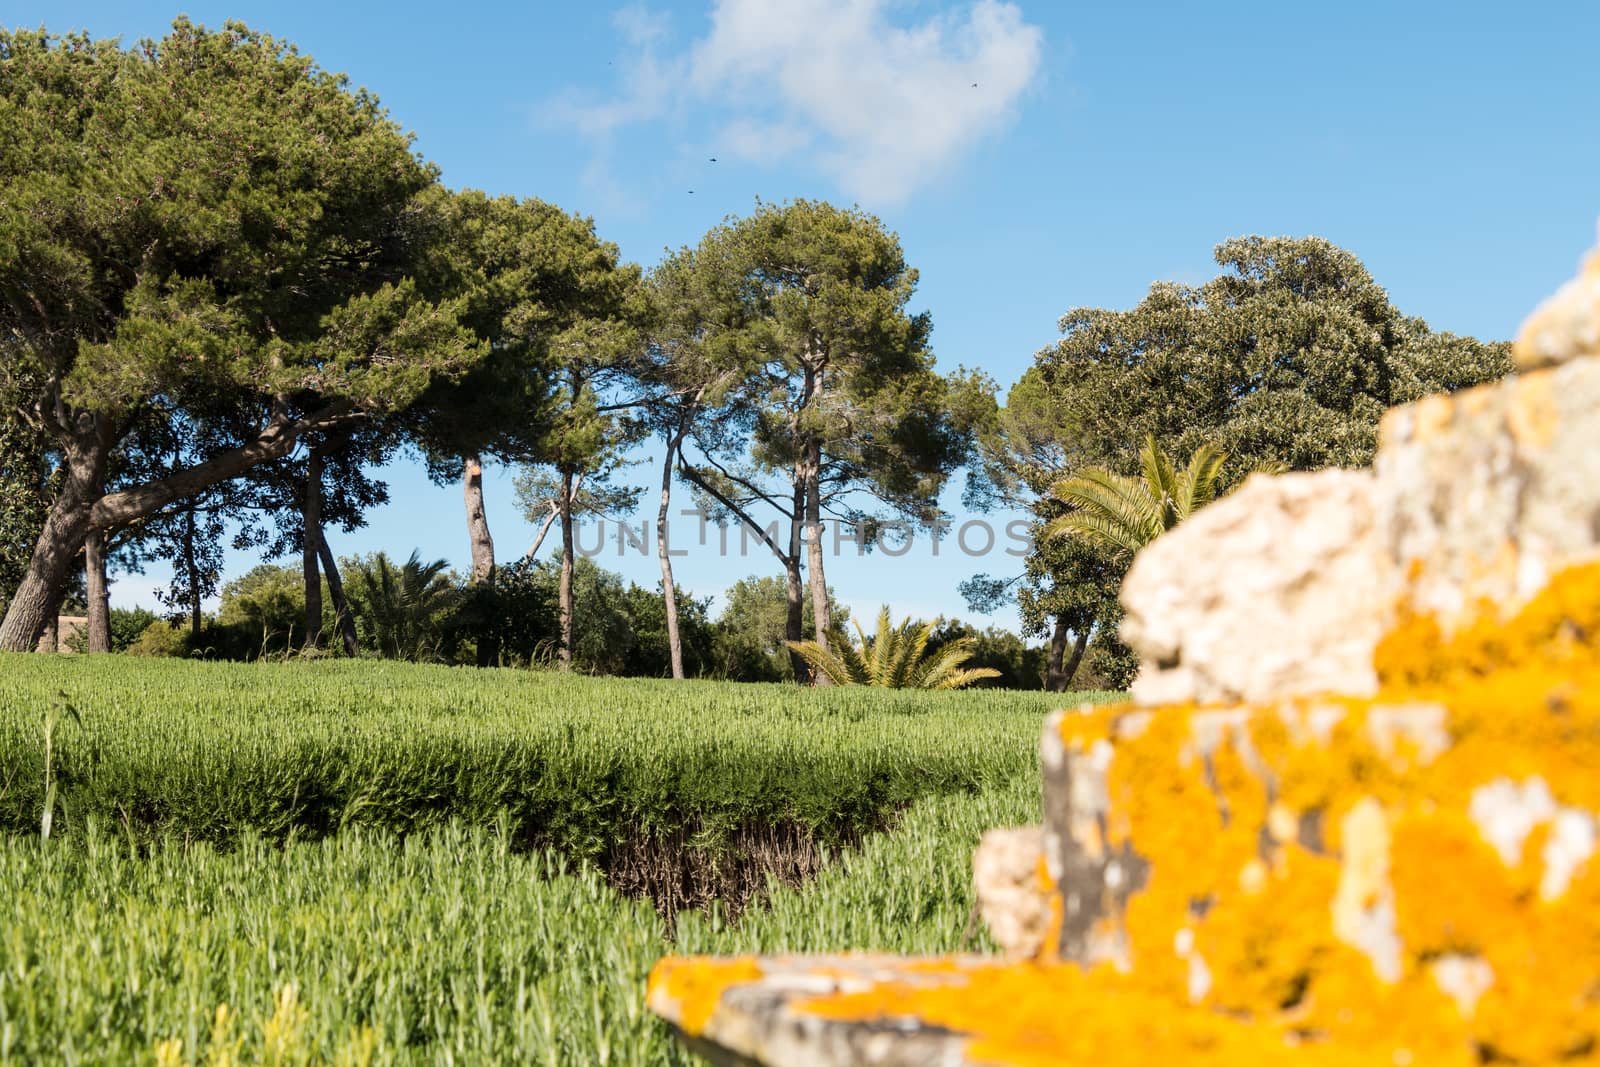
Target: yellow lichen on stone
{"type": "Point", "coordinates": [1559, 627]}
{"type": "Point", "coordinates": [1034, 1015]}
{"type": "Point", "coordinates": [1315, 861]}
{"type": "Point", "coordinates": [1404, 879]}
{"type": "Point", "coordinates": [694, 986]}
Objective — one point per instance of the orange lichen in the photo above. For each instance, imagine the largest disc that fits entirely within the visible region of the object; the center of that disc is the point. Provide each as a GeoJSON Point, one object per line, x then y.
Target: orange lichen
{"type": "Point", "coordinates": [1049, 944]}
{"type": "Point", "coordinates": [1559, 627]}
{"type": "Point", "coordinates": [696, 985]}
{"type": "Point", "coordinates": [1319, 882]}
{"type": "Point", "coordinates": [1206, 798]}
{"type": "Point", "coordinates": [1033, 1015]}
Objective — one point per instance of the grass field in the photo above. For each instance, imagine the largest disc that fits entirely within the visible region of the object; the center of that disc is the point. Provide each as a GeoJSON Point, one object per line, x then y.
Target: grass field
{"type": "Point", "coordinates": [376, 863]}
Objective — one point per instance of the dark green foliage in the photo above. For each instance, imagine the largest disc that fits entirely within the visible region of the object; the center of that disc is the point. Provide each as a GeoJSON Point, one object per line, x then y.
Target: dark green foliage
{"type": "Point", "coordinates": [25, 488]}
{"type": "Point", "coordinates": [750, 631]}
{"type": "Point", "coordinates": [127, 626]}
{"type": "Point", "coordinates": [266, 610]}
{"type": "Point", "coordinates": [1289, 356]}
{"type": "Point", "coordinates": [403, 611]}
{"type": "Point", "coordinates": [1108, 665]}
{"type": "Point", "coordinates": [207, 229]}
{"type": "Point", "coordinates": [647, 615]}
{"type": "Point", "coordinates": [619, 628]}
{"type": "Point", "coordinates": [208, 218]}
{"type": "Point", "coordinates": [1021, 666]}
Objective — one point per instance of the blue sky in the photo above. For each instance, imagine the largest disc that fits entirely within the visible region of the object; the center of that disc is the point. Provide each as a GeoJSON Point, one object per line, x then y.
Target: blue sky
{"type": "Point", "coordinates": [1454, 147]}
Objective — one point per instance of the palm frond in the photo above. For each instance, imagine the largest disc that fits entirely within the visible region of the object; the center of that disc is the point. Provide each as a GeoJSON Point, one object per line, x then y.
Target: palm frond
{"type": "Point", "coordinates": [1129, 513]}
{"type": "Point", "coordinates": [1160, 481]}
{"type": "Point", "coordinates": [1115, 499]}
{"type": "Point", "coordinates": [944, 670]}
{"type": "Point", "coordinates": [895, 657]}
{"type": "Point", "coordinates": [1098, 528]}
{"type": "Point", "coordinates": [962, 679]}
{"type": "Point", "coordinates": [914, 647]}
{"type": "Point", "coordinates": [1198, 484]}
{"type": "Point", "coordinates": [880, 666]}
{"type": "Point", "coordinates": [826, 662]}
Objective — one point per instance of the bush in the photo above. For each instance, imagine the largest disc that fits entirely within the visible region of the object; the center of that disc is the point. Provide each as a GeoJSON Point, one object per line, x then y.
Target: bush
{"type": "Point", "coordinates": [619, 628]}
{"type": "Point", "coordinates": [161, 638]}
{"type": "Point", "coordinates": [210, 749]}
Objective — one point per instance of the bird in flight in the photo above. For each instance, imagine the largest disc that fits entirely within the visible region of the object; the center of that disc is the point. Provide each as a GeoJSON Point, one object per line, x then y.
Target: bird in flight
{"type": "Point", "coordinates": [974, 85]}
{"type": "Point", "coordinates": [713, 159]}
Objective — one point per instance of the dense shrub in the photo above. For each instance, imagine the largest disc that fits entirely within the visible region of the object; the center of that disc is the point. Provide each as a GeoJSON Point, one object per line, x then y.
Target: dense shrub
{"type": "Point", "coordinates": [209, 750]}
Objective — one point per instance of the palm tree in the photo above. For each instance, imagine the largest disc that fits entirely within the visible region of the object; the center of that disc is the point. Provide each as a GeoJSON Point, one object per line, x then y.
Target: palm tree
{"type": "Point", "coordinates": [894, 658]}
{"type": "Point", "coordinates": [402, 608]}
{"type": "Point", "coordinates": [1129, 513]}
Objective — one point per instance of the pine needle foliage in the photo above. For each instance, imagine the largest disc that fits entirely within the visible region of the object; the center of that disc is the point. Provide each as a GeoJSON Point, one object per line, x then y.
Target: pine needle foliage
{"type": "Point", "coordinates": [896, 657]}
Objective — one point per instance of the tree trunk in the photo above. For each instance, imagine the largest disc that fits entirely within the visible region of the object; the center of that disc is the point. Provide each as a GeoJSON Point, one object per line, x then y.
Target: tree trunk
{"type": "Point", "coordinates": [565, 592]}
{"type": "Point", "coordinates": [1054, 682]}
{"type": "Point", "coordinates": [94, 567]}
{"type": "Point", "coordinates": [478, 537]}
{"type": "Point", "coordinates": [669, 592]}
{"type": "Point", "coordinates": [1058, 675]}
{"type": "Point", "coordinates": [482, 547]}
{"type": "Point", "coordinates": [192, 569]}
{"type": "Point", "coordinates": [310, 548]}
{"type": "Point", "coordinates": [822, 619]}
{"type": "Point", "coordinates": [794, 589]}
{"type": "Point", "coordinates": [37, 599]}
{"type": "Point", "coordinates": [794, 620]}
{"type": "Point", "coordinates": [341, 606]}
{"type": "Point", "coordinates": [1070, 671]}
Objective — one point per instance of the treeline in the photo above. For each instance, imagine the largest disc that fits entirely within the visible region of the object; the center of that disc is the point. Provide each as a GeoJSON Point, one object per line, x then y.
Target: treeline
{"type": "Point", "coordinates": [426, 613]}
{"type": "Point", "coordinates": [230, 288]}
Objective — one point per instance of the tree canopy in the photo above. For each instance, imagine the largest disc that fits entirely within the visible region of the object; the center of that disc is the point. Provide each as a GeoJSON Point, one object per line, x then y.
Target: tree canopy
{"type": "Point", "coordinates": [833, 405]}
{"type": "Point", "coordinates": [1289, 356]}
{"type": "Point", "coordinates": [1286, 359]}
{"type": "Point", "coordinates": [212, 225]}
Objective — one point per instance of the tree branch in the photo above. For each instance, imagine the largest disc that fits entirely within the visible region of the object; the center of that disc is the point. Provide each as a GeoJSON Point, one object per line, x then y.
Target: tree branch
{"type": "Point", "coordinates": [754, 490]}
{"type": "Point", "coordinates": [274, 442]}
{"type": "Point", "coordinates": [744, 517]}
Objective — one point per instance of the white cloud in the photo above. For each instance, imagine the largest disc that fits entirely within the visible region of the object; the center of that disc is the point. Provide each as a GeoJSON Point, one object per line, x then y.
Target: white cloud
{"type": "Point", "coordinates": [880, 106]}
{"type": "Point", "coordinates": [891, 106]}
{"type": "Point", "coordinates": [762, 142]}
{"type": "Point", "coordinates": [639, 25]}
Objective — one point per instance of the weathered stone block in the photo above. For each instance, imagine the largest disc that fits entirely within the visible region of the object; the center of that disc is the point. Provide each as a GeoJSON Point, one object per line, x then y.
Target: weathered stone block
{"type": "Point", "coordinates": [1014, 889]}
{"type": "Point", "coordinates": [1419, 863]}
{"type": "Point", "coordinates": [1276, 588]}
{"type": "Point", "coordinates": [745, 1011]}
{"type": "Point", "coordinates": [1284, 587]}
{"type": "Point", "coordinates": [1567, 325]}
{"type": "Point", "coordinates": [1404, 873]}
{"type": "Point", "coordinates": [1483, 495]}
